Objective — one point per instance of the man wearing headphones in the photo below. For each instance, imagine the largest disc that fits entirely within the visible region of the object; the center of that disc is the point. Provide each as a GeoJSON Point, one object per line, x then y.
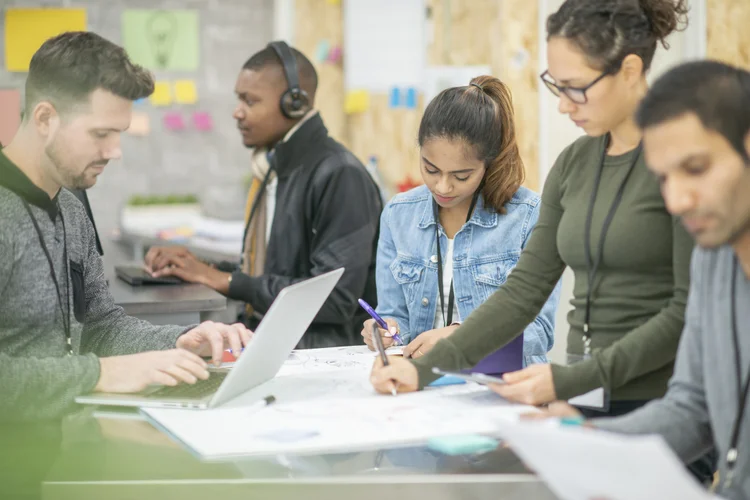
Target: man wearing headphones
{"type": "Point", "coordinates": [312, 205]}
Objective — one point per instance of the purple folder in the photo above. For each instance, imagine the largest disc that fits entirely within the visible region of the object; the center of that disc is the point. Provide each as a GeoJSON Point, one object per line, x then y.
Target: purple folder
{"type": "Point", "coordinates": [504, 360]}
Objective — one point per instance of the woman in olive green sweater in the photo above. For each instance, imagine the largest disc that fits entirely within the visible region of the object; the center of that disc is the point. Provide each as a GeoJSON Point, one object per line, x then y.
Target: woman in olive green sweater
{"type": "Point", "coordinates": [603, 216]}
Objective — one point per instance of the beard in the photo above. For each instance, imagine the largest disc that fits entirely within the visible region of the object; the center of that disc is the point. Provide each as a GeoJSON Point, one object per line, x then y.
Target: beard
{"type": "Point", "coordinates": [69, 176]}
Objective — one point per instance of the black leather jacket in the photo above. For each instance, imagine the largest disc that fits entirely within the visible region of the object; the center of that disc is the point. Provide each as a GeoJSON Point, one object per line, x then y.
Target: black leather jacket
{"type": "Point", "coordinates": [327, 216]}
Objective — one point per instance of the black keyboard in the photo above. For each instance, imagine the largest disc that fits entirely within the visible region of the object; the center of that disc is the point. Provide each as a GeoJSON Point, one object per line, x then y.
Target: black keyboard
{"type": "Point", "coordinates": [196, 390]}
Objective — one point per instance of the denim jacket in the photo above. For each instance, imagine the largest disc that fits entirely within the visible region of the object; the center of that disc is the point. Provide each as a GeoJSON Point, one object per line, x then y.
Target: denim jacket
{"type": "Point", "coordinates": [486, 248]}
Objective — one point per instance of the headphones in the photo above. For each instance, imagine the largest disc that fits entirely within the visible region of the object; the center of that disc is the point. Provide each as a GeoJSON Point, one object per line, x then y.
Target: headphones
{"type": "Point", "coordinates": [295, 103]}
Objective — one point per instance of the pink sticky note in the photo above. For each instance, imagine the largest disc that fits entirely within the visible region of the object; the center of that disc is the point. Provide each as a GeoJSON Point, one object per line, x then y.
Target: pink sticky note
{"type": "Point", "coordinates": [202, 121]}
{"type": "Point", "coordinates": [334, 55]}
{"type": "Point", "coordinates": [10, 114]}
{"type": "Point", "coordinates": [173, 121]}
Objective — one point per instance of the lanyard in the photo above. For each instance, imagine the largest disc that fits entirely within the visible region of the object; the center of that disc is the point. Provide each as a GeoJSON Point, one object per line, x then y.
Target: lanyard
{"type": "Point", "coordinates": [451, 298]}
{"type": "Point", "coordinates": [593, 265]}
{"type": "Point", "coordinates": [742, 390]}
{"type": "Point", "coordinates": [65, 311]}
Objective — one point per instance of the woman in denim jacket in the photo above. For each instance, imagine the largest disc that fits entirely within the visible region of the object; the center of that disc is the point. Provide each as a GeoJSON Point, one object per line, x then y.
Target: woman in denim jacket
{"type": "Point", "coordinates": [472, 173]}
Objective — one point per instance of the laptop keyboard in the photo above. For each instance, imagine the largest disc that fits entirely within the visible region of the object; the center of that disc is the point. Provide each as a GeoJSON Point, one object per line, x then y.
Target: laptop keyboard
{"type": "Point", "coordinates": [198, 390]}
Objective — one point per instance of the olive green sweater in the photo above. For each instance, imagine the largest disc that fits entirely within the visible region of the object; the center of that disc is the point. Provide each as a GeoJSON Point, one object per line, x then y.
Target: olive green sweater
{"type": "Point", "coordinates": [640, 289]}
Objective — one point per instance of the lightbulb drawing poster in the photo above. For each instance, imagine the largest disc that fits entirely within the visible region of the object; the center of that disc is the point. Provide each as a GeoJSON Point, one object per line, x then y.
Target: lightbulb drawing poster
{"type": "Point", "coordinates": [162, 39]}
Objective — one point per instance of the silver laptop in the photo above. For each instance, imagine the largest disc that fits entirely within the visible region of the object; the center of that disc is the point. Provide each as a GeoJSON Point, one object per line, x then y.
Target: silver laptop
{"type": "Point", "coordinates": [277, 335]}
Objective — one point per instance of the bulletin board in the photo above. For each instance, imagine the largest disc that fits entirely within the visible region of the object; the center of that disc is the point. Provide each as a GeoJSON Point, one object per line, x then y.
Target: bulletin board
{"type": "Point", "coordinates": [459, 33]}
{"type": "Point", "coordinates": [183, 140]}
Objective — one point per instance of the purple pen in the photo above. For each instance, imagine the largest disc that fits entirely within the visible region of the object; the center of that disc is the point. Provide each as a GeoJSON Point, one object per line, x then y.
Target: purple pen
{"type": "Point", "coordinates": [380, 321]}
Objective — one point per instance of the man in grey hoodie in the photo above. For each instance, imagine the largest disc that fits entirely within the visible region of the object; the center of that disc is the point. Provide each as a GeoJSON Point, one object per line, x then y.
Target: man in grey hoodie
{"type": "Point", "coordinates": [696, 135]}
{"type": "Point", "coordinates": [61, 334]}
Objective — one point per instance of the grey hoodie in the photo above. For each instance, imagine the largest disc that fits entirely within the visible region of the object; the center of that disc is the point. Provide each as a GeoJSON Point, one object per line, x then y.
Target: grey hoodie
{"type": "Point", "coordinates": [700, 406]}
{"type": "Point", "coordinates": [39, 380]}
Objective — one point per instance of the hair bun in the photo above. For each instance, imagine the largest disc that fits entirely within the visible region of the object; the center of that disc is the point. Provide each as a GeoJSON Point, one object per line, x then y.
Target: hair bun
{"type": "Point", "coordinates": [665, 16]}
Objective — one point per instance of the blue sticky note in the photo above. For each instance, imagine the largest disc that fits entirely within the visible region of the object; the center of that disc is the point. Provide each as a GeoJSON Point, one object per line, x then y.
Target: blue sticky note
{"type": "Point", "coordinates": [411, 98]}
{"type": "Point", "coordinates": [446, 380]}
{"type": "Point", "coordinates": [141, 101]}
{"type": "Point", "coordinates": [572, 421]}
{"type": "Point", "coordinates": [462, 445]}
{"type": "Point", "coordinates": [395, 98]}
{"type": "Point", "coordinates": [321, 51]}
{"type": "Point", "coordinates": [288, 435]}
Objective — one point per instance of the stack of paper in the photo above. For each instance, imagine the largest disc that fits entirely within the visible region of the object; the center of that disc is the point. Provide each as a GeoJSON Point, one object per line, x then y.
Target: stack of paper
{"type": "Point", "coordinates": [585, 464]}
{"type": "Point", "coordinates": [323, 413]}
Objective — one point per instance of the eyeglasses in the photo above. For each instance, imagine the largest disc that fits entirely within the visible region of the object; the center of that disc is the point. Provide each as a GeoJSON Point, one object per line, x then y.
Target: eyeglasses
{"type": "Point", "coordinates": [575, 94]}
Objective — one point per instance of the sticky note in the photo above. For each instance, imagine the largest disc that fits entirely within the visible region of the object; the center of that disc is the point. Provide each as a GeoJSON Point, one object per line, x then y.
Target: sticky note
{"type": "Point", "coordinates": [462, 445]}
{"type": "Point", "coordinates": [410, 99]}
{"type": "Point", "coordinates": [321, 51]}
{"type": "Point", "coordinates": [202, 121]}
{"type": "Point", "coordinates": [185, 92]}
{"type": "Point", "coordinates": [162, 39]}
{"type": "Point", "coordinates": [446, 380]}
{"type": "Point", "coordinates": [140, 124]}
{"type": "Point", "coordinates": [173, 121]}
{"type": "Point", "coordinates": [334, 55]}
{"type": "Point", "coordinates": [162, 95]}
{"type": "Point", "coordinates": [10, 114]}
{"type": "Point", "coordinates": [333, 2]}
{"type": "Point", "coordinates": [356, 101]}
{"type": "Point", "coordinates": [394, 97]}
{"type": "Point", "coordinates": [27, 29]}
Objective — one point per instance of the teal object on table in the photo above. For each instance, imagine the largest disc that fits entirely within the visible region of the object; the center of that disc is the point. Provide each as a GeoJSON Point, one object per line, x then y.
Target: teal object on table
{"type": "Point", "coordinates": [446, 380]}
{"type": "Point", "coordinates": [572, 421]}
{"type": "Point", "coordinates": [462, 445]}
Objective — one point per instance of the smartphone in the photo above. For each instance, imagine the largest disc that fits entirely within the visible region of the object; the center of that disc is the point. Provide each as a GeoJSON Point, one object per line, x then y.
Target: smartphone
{"type": "Point", "coordinates": [479, 378]}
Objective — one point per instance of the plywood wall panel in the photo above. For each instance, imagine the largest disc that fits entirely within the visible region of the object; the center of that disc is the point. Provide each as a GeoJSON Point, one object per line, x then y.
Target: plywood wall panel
{"type": "Point", "coordinates": [315, 21]}
{"type": "Point", "coordinates": [498, 33]}
{"type": "Point", "coordinates": [728, 36]}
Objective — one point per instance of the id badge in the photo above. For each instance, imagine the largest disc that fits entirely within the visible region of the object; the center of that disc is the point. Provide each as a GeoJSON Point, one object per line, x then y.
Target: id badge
{"type": "Point", "coordinates": [598, 399]}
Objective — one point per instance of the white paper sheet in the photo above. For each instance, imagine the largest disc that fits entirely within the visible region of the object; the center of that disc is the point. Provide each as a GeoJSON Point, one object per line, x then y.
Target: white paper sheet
{"type": "Point", "coordinates": [439, 78]}
{"type": "Point", "coordinates": [584, 464]}
{"type": "Point", "coordinates": [325, 360]}
{"type": "Point", "coordinates": [385, 44]}
{"type": "Point", "coordinates": [329, 412]}
{"type": "Point", "coordinates": [592, 399]}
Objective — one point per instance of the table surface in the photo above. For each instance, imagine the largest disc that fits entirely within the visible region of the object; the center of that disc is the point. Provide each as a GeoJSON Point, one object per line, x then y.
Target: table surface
{"type": "Point", "coordinates": [104, 456]}
{"type": "Point", "coordinates": [162, 299]}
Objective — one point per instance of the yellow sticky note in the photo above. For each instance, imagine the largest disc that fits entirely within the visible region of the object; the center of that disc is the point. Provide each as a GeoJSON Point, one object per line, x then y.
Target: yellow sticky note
{"type": "Point", "coordinates": [162, 95]}
{"type": "Point", "coordinates": [185, 92]}
{"type": "Point", "coordinates": [356, 101]}
{"type": "Point", "coordinates": [140, 124]}
{"type": "Point", "coordinates": [333, 2]}
{"type": "Point", "coordinates": [27, 29]}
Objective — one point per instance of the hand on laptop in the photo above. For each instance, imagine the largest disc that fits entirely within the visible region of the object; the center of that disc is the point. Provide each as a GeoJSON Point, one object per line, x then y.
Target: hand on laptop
{"type": "Point", "coordinates": [179, 262]}
{"type": "Point", "coordinates": [158, 258]}
{"type": "Point", "coordinates": [399, 371]}
{"type": "Point", "coordinates": [135, 372]}
{"type": "Point", "coordinates": [387, 336]}
{"type": "Point", "coordinates": [211, 339]}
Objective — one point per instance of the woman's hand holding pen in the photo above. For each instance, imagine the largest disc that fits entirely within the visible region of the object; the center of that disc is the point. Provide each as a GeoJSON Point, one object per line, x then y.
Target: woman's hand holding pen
{"type": "Point", "coordinates": [399, 371]}
{"type": "Point", "coordinates": [386, 335]}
